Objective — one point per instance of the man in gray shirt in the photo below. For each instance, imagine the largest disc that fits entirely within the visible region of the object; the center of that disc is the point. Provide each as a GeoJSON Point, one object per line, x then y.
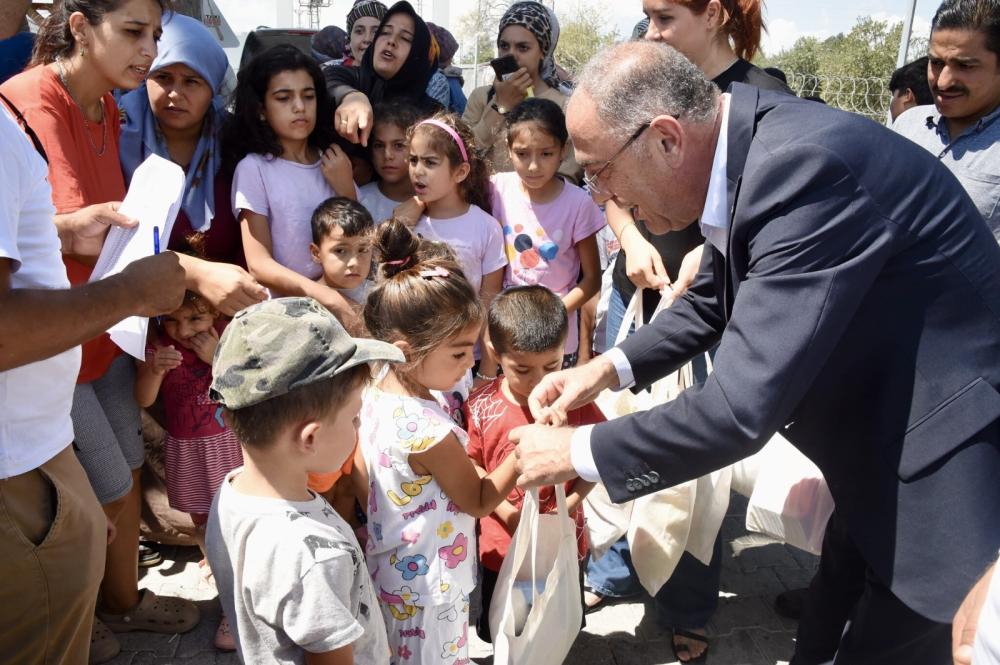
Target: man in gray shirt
{"type": "Point", "coordinates": [962, 127]}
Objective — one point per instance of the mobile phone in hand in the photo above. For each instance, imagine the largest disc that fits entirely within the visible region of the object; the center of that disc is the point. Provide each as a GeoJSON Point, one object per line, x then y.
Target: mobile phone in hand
{"type": "Point", "coordinates": [504, 66]}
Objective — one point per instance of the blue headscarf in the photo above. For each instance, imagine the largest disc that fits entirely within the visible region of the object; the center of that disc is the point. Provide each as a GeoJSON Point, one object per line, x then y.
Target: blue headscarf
{"type": "Point", "coordinates": [188, 42]}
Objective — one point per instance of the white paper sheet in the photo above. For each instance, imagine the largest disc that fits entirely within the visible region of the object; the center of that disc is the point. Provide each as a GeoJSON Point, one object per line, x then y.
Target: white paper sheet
{"type": "Point", "coordinates": [153, 198]}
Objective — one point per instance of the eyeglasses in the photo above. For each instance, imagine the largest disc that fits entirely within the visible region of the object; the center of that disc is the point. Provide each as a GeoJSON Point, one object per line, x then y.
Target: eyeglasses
{"type": "Point", "coordinates": [591, 180]}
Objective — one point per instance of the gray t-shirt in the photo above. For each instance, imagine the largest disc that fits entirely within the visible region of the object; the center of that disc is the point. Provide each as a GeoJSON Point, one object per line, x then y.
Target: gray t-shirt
{"type": "Point", "coordinates": [973, 156]}
{"type": "Point", "coordinates": [292, 578]}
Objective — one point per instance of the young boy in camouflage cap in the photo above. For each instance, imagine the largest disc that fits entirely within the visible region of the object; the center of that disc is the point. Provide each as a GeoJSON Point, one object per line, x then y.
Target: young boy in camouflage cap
{"type": "Point", "coordinates": [290, 572]}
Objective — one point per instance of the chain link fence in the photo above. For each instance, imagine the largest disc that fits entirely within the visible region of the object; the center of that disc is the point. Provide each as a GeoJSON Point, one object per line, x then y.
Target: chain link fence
{"type": "Point", "coordinates": [865, 96]}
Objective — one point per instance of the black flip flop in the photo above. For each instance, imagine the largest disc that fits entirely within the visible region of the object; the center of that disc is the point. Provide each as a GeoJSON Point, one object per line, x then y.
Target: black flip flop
{"type": "Point", "coordinates": [685, 649]}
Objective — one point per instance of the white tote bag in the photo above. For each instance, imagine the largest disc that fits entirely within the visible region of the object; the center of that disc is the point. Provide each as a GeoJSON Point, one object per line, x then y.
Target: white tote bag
{"type": "Point", "coordinates": [537, 610]}
{"type": "Point", "coordinates": [790, 500]}
{"type": "Point", "coordinates": [663, 525]}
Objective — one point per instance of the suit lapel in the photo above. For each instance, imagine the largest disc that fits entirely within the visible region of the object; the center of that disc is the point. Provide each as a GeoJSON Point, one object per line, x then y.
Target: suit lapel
{"type": "Point", "coordinates": [742, 125]}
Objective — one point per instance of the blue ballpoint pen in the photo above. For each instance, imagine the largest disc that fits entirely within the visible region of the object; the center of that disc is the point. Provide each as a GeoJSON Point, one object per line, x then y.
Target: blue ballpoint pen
{"type": "Point", "coordinates": [156, 250]}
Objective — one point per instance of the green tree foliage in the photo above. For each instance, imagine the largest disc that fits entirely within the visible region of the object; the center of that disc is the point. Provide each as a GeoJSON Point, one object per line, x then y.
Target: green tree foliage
{"type": "Point", "coordinates": [583, 32]}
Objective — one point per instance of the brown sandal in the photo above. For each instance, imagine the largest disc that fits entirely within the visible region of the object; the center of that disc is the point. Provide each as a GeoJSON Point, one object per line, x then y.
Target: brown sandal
{"type": "Point", "coordinates": [103, 644]}
{"type": "Point", "coordinates": [153, 613]}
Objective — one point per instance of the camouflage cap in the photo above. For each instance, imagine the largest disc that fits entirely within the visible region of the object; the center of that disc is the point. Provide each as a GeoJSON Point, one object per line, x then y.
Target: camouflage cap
{"type": "Point", "coordinates": [276, 346]}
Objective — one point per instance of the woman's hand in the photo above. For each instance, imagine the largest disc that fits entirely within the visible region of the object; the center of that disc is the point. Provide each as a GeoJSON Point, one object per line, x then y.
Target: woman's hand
{"type": "Point", "coordinates": [643, 263]}
{"type": "Point", "coordinates": [337, 170]}
{"type": "Point", "coordinates": [83, 232]}
{"type": "Point", "coordinates": [353, 118]}
{"type": "Point", "coordinates": [512, 92]}
{"type": "Point", "coordinates": [226, 287]}
{"type": "Point", "coordinates": [409, 211]}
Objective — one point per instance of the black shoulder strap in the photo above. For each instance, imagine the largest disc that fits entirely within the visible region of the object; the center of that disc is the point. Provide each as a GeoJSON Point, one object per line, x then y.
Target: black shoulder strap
{"type": "Point", "coordinates": [27, 128]}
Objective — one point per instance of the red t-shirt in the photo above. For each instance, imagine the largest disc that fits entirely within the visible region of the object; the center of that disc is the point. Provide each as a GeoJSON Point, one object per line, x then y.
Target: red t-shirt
{"type": "Point", "coordinates": [490, 415]}
{"type": "Point", "coordinates": [78, 175]}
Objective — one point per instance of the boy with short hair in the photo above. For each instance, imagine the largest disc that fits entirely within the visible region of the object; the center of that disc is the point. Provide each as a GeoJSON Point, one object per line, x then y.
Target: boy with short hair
{"type": "Point", "coordinates": [390, 158]}
{"type": "Point", "coordinates": [342, 231]}
{"type": "Point", "coordinates": [528, 327]}
{"type": "Point", "coordinates": [291, 575]}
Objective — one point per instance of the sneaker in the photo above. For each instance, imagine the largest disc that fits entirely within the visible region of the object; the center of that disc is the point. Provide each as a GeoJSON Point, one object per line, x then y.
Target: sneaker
{"type": "Point", "coordinates": [148, 557]}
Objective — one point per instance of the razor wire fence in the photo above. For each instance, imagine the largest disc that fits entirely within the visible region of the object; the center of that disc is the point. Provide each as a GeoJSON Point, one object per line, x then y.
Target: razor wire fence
{"type": "Point", "coordinates": [865, 96]}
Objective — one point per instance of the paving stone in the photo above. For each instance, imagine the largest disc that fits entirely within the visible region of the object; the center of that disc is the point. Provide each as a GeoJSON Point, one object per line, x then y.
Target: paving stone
{"type": "Point", "coordinates": [806, 560]}
{"type": "Point", "coordinates": [794, 578]}
{"type": "Point", "coordinates": [642, 652]}
{"type": "Point", "coordinates": [741, 613]}
{"type": "Point", "coordinates": [201, 636]}
{"type": "Point", "coordinates": [123, 658]}
{"type": "Point", "coordinates": [590, 650]}
{"type": "Point", "coordinates": [737, 648]}
{"type": "Point", "coordinates": [768, 556]}
{"type": "Point", "coordinates": [615, 618]}
{"type": "Point", "coordinates": [762, 582]}
{"type": "Point", "coordinates": [158, 644]}
{"type": "Point", "coordinates": [776, 647]}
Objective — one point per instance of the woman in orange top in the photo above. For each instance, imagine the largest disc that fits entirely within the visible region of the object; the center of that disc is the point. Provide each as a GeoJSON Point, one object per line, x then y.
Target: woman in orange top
{"type": "Point", "coordinates": [84, 51]}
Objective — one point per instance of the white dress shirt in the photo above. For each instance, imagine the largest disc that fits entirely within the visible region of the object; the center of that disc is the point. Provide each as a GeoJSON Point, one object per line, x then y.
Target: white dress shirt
{"type": "Point", "coordinates": [714, 224]}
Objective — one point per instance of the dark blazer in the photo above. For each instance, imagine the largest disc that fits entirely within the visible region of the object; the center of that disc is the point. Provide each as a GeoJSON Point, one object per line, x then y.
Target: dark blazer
{"type": "Point", "coordinates": [858, 313]}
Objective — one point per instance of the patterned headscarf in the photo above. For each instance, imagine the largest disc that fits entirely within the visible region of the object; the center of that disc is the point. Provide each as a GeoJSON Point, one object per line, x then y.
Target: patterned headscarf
{"type": "Point", "coordinates": [540, 21]}
{"type": "Point", "coordinates": [370, 8]}
{"type": "Point", "coordinates": [185, 41]}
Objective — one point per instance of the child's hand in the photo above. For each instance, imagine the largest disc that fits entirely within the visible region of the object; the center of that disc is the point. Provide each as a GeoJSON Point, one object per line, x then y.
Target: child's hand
{"type": "Point", "coordinates": [163, 359]}
{"type": "Point", "coordinates": [204, 345]}
{"type": "Point", "coordinates": [337, 170]}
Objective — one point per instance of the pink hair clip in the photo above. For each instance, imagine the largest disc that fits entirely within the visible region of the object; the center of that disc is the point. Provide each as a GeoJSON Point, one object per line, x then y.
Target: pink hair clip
{"type": "Point", "coordinates": [400, 262]}
{"type": "Point", "coordinates": [434, 272]}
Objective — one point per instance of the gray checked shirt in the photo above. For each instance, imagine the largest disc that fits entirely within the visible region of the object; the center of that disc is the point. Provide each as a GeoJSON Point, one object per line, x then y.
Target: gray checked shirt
{"type": "Point", "coordinates": [973, 156]}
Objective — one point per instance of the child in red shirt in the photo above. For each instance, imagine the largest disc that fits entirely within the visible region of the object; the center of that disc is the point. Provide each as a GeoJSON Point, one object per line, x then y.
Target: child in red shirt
{"type": "Point", "coordinates": [527, 326]}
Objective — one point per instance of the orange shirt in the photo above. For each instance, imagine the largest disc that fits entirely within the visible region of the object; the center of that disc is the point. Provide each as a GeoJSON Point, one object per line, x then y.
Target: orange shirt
{"type": "Point", "coordinates": [78, 175]}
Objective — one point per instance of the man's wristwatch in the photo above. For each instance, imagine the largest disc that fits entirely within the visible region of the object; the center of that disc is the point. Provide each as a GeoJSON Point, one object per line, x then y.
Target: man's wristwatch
{"type": "Point", "coordinates": [502, 110]}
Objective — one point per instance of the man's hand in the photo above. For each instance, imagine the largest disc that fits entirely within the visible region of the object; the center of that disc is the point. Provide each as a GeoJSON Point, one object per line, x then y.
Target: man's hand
{"type": "Point", "coordinates": [963, 628]}
{"type": "Point", "coordinates": [543, 456]}
{"type": "Point", "coordinates": [353, 118]}
{"type": "Point", "coordinates": [155, 284]}
{"type": "Point", "coordinates": [560, 392]}
{"type": "Point", "coordinates": [226, 287]}
{"type": "Point", "coordinates": [204, 345]}
{"type": "Point", "coordinates": [83, 232]}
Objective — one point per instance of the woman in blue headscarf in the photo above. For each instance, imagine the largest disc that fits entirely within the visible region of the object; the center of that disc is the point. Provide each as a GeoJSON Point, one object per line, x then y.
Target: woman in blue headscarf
{"type": "Point", "coordinates": [177, 114]}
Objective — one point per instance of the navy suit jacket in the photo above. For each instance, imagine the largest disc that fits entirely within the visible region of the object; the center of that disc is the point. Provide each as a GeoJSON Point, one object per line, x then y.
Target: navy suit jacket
{"type": "Point", "coordinates": [857, 311]}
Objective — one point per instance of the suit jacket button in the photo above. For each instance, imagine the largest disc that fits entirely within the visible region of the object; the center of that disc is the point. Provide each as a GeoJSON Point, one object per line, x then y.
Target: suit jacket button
{"type": "Point", "coordinates": [654, 476]}
{"type": "Point", "coordinates": [645, 481]}
{"type": "Point", "coordinates": [630, 485]}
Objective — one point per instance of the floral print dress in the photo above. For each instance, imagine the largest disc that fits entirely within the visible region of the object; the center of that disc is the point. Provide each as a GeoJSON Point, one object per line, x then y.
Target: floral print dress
{"type": "Point", "coordinates": [421, 547]}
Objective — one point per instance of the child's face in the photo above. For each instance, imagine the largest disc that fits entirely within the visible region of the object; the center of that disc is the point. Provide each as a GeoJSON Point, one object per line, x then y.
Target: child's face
{"type": "Point", "coordinates": [346, 260]}
{"type": "Point", "coordinates": [445, 366]}
{"type": "Point", "coordinates": [431, 173]}
{"type": "Point", "coordinates": [338, 434]}
{"type": "Point", "coordinates": [524, 370]}
{"type": "Point", "coordinates": [184, 323]}
{"type": "Point", "coordinates": [535, 153]}
{"type": "Point", "coordinates": [290, 105]}
{"type": "Point", "coordinates": [389, 153]}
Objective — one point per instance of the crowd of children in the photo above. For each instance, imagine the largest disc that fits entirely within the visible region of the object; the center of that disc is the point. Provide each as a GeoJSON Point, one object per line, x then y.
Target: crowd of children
{"type": "Point", "coordinates": [466, 281]}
